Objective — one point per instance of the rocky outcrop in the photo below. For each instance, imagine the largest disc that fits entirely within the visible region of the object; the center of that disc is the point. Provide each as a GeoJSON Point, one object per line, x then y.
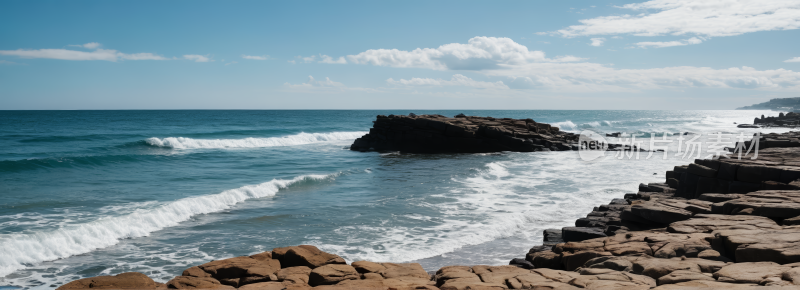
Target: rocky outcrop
{"type": "Point", "coordinates": [791, 120]}
{"type": "Point", "coordinates": [129, 280]}
{"type": "Point", "coordinates": [462, 134]}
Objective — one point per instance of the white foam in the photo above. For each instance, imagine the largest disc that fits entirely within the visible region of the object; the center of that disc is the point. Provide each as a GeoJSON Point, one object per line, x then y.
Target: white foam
{"type": "Point", "coordinates": [565, 124]}
{"type": "Point", "coordinates": [19, 250]}
{"type": "Point", "coordinates": [516, 198]}
{"type": "Point", "coordinates": [292, 140]}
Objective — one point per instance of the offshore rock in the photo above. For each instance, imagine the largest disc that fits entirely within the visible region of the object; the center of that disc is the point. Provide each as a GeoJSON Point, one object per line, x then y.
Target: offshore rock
{"type": "Point", "coordinates": [462, 134]}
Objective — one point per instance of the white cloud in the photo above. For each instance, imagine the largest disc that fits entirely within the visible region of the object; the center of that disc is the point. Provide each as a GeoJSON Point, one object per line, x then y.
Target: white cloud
{"type": "Point", "coordinates": [704, 18]}
{"type": "Point", "coordinates": [478, 54]}
{"type": "Point", "coordinates": [796, 59]}
{"type": "Point", "coordinates": [197, 57]}
{"type": "Point", "coordinates": [456, 80]}
{"type": "Point", "coordinates": [66, 54]}
{"type": "Point", "coordinates": [232, 62]}
{"type": "Point", "coordinates": [531, 70]}
{"type": "Point", "coordinates": [291, 61]}
{"type": "Point", "coordinates": [597, 77]}
{"type": "Point", "coordinates": [256, 57]}
{"type": "Point", "coordinates": [597, 41]}
{"type": "Point", "coordinates": [659, 44]}
{"type": "Point", "coordinates": [328, 59]}
{"type": "Point", "coordinates": [313, 83]}
{"type": "Point", "coordinates": [308, 59]}
{"type": "Point", "coordinates": [90, 45]}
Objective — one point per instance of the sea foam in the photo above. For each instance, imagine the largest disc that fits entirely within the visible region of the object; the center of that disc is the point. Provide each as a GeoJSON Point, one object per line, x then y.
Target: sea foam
{"type": "Point", "coordinates": [19, 250]}
{"type": "Point", "coordinates": [292, 140]}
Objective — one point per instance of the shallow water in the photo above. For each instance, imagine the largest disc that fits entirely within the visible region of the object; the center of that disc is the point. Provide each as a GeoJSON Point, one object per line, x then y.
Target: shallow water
{"type": "Point", "coordinates": [86, 193]}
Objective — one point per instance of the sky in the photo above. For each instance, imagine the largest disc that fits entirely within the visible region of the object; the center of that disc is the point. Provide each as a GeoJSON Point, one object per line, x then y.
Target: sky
{"type": "Point", "coordinates": [649, 55]}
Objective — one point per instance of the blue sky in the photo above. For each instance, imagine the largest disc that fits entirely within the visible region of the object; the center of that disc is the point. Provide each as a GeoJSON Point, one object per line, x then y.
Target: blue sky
{"type": "Point", "coordinates": [660, 54]}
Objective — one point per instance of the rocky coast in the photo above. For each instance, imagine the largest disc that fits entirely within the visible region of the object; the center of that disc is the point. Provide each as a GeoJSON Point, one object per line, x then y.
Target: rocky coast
{"type": "Point", "coordinates": [726, 223]}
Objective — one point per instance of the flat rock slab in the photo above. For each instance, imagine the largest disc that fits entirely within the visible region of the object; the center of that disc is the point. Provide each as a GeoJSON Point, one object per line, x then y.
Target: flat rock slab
{"type": "Point", "coordinates": [707, 223]}
{"type": "Point", "coordinates": [768, 203]}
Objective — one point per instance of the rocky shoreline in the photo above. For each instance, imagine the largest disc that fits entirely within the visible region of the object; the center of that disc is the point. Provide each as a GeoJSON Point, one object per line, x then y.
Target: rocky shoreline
{"type": "Point", "coordinates": [788, 120]}
{"type": "Point", "coordinates": [712, 224]}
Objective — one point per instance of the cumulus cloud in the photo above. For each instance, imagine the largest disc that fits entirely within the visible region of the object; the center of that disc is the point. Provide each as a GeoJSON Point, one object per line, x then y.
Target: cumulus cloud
{"type": "Point", "coordinates": [531, 70]}
{"type": "Point", "coordinates": [659, 44]}
{"type": "Point", "coordinates": [313, 83]}
{"type": "Point", "coordinates": [456, 80]}
{"type": "Point", "coordinates": [708, 18]}
{"type": "Point", "coordinates": [796, 59]}
{"type": "Point", "coordinates": [66, 54]}
{"type": "Point", "coordinates": [197, 57]}
{"type": "Point", "coordinates": [256, 57]}
{"type": "Point", "coordinates": [478, 53]}
{"type": "Point", "coordinates": [597, 41]}
{"type": "Point", "coordinates": [328, 59]}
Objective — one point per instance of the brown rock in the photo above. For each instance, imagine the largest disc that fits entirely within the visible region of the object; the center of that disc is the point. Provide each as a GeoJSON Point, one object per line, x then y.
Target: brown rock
{"type": "Point", "coordinates": [455, 272]}
{"type": "Point", "coordinates": [188, 282]}
{"type": "Point", "coordinates": [707, 223]}
{"type": "Point", "coordinates": [264, 286]}
{"type": "Point", "coordinates": [546, 259]}
{"type": "Point", "coordinates": [195, 272]}
{"type": "Point", "coordinates": [394, 270]}
{"type": "Point", "coordinates": [128, 280]}
{"type": "Point", "coordinates": [768, 203]}
{"type": "Point", "coordinates": [296, 275]}
{"type": "Point", "coordinates": [683, 276]}
{"type": "Point", "coordinates": [663, 211]}
{"type": "Point", "coordinates": [240, 267]}
{"type": "Point", "coordinates": [498, 274]}
{"type": "Point", "coordinates": [332, 274]}
{"type": "Point", "coordinates": [368, 267]}
{"type": "Point", "coordinates": [753, 272]}
{"type": "Point", "coordinates": [305, 255]}
{"type": "Point", "coordinates": [780, 246]}
{"type": "Point", "coordinates": [702, 284]}
{"type": "Point", "coordinates": [573, 261]}
{"type": "Point", "coordinates": [614, 280]}
{"type": "Point", "coordinates": [657, 268]}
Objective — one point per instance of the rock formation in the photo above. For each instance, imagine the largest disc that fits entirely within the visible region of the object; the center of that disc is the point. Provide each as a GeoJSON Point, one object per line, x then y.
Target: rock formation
{"type": "Point", "coordinates": [462, 134]}
{"type": "Point", "coordinates": [790, 120]}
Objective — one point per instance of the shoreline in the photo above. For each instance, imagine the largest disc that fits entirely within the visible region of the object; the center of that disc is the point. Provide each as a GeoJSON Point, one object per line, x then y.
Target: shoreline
{"type": "Point", "coordinates": [671, 234]}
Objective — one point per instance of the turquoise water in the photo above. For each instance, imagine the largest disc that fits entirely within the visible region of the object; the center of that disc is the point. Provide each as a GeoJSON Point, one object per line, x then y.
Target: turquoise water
{"type": "Point", "coordinates": [86, 193]}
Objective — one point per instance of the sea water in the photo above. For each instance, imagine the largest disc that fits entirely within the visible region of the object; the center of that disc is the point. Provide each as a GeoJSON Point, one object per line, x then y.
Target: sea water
{"type": "Point", "coordinates": [87, 193]}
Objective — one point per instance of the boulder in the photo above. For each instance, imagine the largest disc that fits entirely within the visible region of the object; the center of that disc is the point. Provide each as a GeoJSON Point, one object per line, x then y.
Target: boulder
{"type": "Point", "coordinates": [332, 274]}
{"type": "Point", "coordinates": [461, 273]}
{"type": "Point", "coordinates": [242, 270]}
{"type": "Point", "coordinates": [305, 255]}
{"type": "Point", "coordinates": [296, 275]}
{"type": "Point", "coordinates": [189, 282]}
{"type": "Point", "coordinates": [408, 270]}
{"type": "Point", "coordinates": [128, 280]}
{"type": "Point", "coordinates": [368, 267]}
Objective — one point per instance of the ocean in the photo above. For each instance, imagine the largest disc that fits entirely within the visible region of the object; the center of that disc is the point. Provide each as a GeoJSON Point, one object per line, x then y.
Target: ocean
{"type": "Point", "coordinates": [87, 193]}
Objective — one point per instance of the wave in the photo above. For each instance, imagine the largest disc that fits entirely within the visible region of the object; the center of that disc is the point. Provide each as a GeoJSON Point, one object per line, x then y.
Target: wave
{"type": "Point", "coordinates": [19, 250]}
{"type": "Point", "coordinates": [297, 139]}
